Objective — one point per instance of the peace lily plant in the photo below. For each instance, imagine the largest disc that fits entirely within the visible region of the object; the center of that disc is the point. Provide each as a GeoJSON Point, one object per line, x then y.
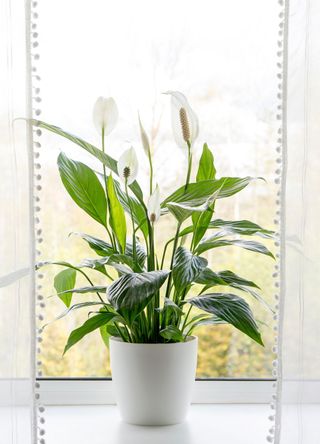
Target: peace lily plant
{"type": "Point", "coordinates": [142, 301]}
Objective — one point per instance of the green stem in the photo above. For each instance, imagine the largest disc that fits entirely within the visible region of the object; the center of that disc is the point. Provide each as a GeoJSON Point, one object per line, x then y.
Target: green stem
{"type": "Point", "coordinates": [172, 259]}
{"type": "Point", "coordinates": [120, 332]}
{"type": "Point", "coordinates": [165, 251]}
{"type": "Point", "coordinates": [134, 247]}
{"type": "Point", "coordinates": [105, 184]}
{"type": "Point", "coordinates": [151, 172]}
{"type": "Point", "coordinates": [186, 318]}
{"type": "Point", "coordinates": [91, 283]}
{"type": "Point", "coordinates": [128, 333]}
{"type": "Point", "coordinates": [189, 165]}
{"type": "Point", "coordinates": [152, 315]}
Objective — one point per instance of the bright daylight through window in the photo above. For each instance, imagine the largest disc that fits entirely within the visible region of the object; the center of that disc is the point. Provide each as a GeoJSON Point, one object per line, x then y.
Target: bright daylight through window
{"type": "Point", "coordinates": [230, 81]}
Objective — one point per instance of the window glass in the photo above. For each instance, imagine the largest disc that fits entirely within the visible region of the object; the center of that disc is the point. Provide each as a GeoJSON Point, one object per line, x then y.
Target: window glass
{"type": "Point", "coordinates": [222, 55]}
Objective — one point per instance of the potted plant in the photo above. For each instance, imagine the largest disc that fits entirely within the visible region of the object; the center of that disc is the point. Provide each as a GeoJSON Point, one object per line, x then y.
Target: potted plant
{"type": "Point", "coordinates": [147, 312]}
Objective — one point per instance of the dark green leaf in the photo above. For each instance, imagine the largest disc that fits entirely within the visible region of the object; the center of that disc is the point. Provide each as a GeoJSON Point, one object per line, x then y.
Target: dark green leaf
{"type": "Point", "coordinates": [140, 253]}
{"type": "Point", "coordinates": [209, 321]}
{"type": "Point", "coordinates": [84, 290]}
{"type": "Point", "coordinates": [213, 242]}
{"type": "Point", "coordinates": [210, 279]}
{"type": "Point", "coordinates": [206, 168]}
{"type": "Point", "coordinates": [231, 309]}
{"type": "Point", "coordinates": [182, 211]}
{"type": "Point", "coordinates": [117, 216]}
{"type": "Point", "coordinates": [109, 330]}
{"type": "Point", "coordinates": [90, 325]}
{"type": "Point", "coordinates": [77, 307]}
{"type": "Point", "coordinates": [225, 277]}
{"type": "Point", "coordinates": [138, 209]}
{"type": "Point", "coordinates": [84, 187]}
{"type": "Point", "coordinates": [63, 282]}
{"type": "Point", "coordinates": [101, 247]}
{"type": "Point", "coordinates": [186, 268]}
{"type": "Point", "coordinates": [170, 311]}
{"type": "Point", "coordinates": [100, 155]}
{"type": "Point", "coordinates": [95, 264]}
{"type": "Point", "coordinates": [131, 293]}
{"type": "Point", "coordinates": [198, 193]}
{"type": "Point", "coordinates": [172, 333]}
{"type": "Point", "coordinates": [244, 227]}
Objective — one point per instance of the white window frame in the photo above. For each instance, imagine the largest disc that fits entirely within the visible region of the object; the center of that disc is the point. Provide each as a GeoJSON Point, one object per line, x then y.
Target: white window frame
{"type": "Point", "coordinates": [73, 391]}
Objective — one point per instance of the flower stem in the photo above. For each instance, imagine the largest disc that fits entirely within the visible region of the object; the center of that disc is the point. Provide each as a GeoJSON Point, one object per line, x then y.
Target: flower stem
{"type": "Point", "coordinates": [151, 171]}
{"type": "Point", "coordinates": [186, 318]}
{"type": "Point", "coordinates": [175, 244]}
{"type": "Point", "coordinates": [134, 247]}
{"type": "Point", "coordinates": [105, 184]}
{"type": "Point", "coordinates": [164, 252]}
{"type": "Point", "coordinates": [189, 165]}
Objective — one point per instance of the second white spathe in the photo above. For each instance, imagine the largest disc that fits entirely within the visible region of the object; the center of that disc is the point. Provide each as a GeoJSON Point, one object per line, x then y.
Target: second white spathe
{"type": "Point", "coordinates": [154, 205]}
{"type": "Point", "coordinates": [128, 166]}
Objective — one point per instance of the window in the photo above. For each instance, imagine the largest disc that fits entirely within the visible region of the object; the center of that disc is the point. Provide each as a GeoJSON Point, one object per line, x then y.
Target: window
{"type": "Point", "coordinates": [134, 51]}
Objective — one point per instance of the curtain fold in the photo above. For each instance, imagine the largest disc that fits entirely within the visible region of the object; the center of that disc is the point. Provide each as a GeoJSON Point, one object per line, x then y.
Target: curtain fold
{"type": "Point", "coordinates": [17, 417]}
{"type": "Point", "coordinates": [299, 389]}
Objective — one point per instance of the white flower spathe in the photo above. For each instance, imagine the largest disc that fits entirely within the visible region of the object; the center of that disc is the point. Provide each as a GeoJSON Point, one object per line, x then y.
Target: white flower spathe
{"type": "Point", "coordinates": [105, 114]}
{"type": "Point", "coordinates": [154, 205]}
{"type": "Point", "coordinates": [144, 139]}
{"type": "Point", "coordinates": [185, 124]}
{"type": "Point", "coordinates": [128, 166]}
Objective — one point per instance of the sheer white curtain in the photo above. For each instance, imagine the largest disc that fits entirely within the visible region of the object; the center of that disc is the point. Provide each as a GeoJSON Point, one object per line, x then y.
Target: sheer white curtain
{"type": "Point", "coordinates": [17, 423]}
{"type": "Point", "coordinates": [298, 418]}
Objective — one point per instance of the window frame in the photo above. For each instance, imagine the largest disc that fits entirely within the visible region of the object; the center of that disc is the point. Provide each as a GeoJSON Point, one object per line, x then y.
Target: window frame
{"type": "Point", "coordinates": [98, 391]}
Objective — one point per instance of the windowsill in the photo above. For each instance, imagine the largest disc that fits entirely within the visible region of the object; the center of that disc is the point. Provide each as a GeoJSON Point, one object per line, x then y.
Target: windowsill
{"type": "Point", "coordinates": [219, 423]}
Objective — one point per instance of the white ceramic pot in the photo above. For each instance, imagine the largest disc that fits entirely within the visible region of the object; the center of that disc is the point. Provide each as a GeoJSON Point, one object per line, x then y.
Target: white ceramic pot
{"type": "Point", "coordinates": [153, 382]}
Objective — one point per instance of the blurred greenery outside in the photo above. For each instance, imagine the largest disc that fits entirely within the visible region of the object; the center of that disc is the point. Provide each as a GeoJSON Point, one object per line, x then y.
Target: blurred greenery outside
{"type": "Point", "coordinates": [223, 350]}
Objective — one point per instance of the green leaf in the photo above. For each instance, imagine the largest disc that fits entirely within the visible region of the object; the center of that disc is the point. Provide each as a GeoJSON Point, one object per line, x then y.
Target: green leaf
{"type": "Point", "coordinates": [213, 242]}
{"type": "Point", "coordinates": [109, 330]}
{"type": "Point", "coordinates": [95, 264]}
{"type": "Point", "coordinates": [200, 225]}
{"type": "Point", "coordinates": [186, 268]}
{"type": "Point", "coordinates": [131, 293]}
{"type": "Point", "coordinates": [170, 311]}
{"type": "Point", "coordinates": [172, 333]}
{"type": "Point", "coordinates": [182, 211]}
{"type": "Point", "coordinates": [100, 155]}
{"type": "Point", "coordinates": [117, 216]}
{"type": "Point", "coordinates": [90, 325]}
{"type": "Point", "coordinates": [105, 334]}
{"type": "Point", "coordinates": [84, 187]}
{"type": "Point", "coordinates": [140, 253]}
{"type": "Point", "coordinates": [214, 320]}
{"type": "Point", "coordinates": [229, 308]}
{"type": "Point", "coordinates": [225, 277]}
{"type": "Point", "coordinates": [63, 282]}
{"type": "Point", "coordinates": [206, 168]}
{"type": "Point", "coordinates": [101, 247]}
{"type": "Point", "coordinates": [85, 290]}
{"type": "Point", "coordinates": [244, 227]}
{"type": "Point", "coordinates": [210, 278]}
{"type": "Point", "coordinates": [198, 193]}
{"type": "Point", "coordinates": [76, 307]}
{"type": "Point", "coordinates": [139, 210]}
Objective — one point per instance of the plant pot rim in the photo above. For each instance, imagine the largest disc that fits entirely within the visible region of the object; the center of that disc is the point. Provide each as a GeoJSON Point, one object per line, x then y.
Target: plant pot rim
{"type": "Point", "coordinates": [189, 340]}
